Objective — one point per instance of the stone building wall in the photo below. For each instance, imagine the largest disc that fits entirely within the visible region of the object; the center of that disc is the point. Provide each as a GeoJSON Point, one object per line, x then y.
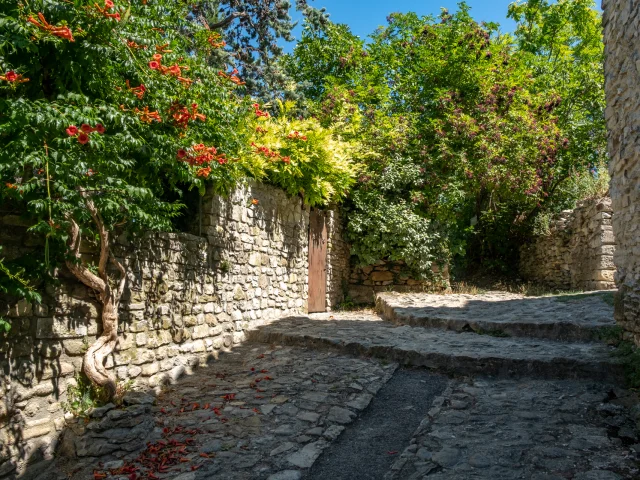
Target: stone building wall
{"type": "Point", "coordinates": [384, 276]}
{"type": "Point", "coordinates": [187, 297]}
{"type": "Point", "coordinates": [621, 21]}
{"type": "Point", "coordinates": [577, 253]}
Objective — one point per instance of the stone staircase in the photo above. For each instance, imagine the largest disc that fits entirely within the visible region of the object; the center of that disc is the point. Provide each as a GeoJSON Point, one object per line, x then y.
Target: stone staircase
{"type": "Point", "coordinates": [496, 334]}
{"type": "Point", "coordinates": [568, 318]}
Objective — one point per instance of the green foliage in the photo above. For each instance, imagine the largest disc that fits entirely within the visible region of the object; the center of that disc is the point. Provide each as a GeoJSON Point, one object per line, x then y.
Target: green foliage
{"type": "Point", "coordinates": [126, 160]}
{"type": "Point", "coordinates": [14, 283]}
{"type": "Point", "coordinates": [562, 43]}
{"type": "Point", "coordinates": [302, 157]}
{"type": "Point", "coordinates": [325, 56]}
{"type": "Point", "coordinates": [382, 224]}
{"type": "Point", "coordinates": [469, 128]}
{"type": "Point", "coordinates": [84, 396]}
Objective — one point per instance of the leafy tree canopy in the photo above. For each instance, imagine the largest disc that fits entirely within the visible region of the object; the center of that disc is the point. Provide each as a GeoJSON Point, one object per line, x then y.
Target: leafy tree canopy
{"type": "Point", "coordinates": [473, 131]}
{"type": "Point", "coordinates": [252, 30]}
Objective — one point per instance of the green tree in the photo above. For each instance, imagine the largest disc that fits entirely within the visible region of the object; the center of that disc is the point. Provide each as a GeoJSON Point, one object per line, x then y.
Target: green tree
{"type": "Point", "coordinates": [252, 30]}
{"type": "Point", "coordinates": [562, 44]}
{"type": "Point", "coordinates": [464, 127]}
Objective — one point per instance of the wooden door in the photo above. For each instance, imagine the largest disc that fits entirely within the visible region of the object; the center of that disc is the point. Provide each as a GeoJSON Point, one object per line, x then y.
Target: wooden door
{"type": "Point", "coordinates": [317, 262]}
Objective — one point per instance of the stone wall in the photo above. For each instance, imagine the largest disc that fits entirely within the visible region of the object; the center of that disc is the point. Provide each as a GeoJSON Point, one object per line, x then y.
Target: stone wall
{"type": "Point", "coordinates": [338, 253]}
{"type": "Point", "coordinates": [187, 297]}
{"type": "Point", "coordinates": [385, 276]}
{"type": "Point", "coordinates": [577, 253]}
{"type": "Point", "coordinates": [622, 83]}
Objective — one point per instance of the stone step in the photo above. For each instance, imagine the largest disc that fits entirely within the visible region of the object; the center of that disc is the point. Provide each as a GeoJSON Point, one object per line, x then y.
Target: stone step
{"type": "Point", "coordinates": [450, 352]}
{"type": "Point", "coordinates": [568, 318]}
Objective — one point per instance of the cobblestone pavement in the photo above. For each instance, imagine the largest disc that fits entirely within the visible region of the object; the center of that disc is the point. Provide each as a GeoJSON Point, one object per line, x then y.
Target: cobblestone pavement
{"type": "Point", "coordinates": [257, 413]}
{"type": "Point", "coordinates": [269, 409]}
{"type": "Point", "coordinates": [539, 430]}
{"type": "Point", "coordinates": [458, 353]}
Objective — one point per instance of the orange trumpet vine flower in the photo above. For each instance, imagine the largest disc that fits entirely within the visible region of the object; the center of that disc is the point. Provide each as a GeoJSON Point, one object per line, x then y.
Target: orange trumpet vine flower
{"type": "Point", "coordinates": [146, 116]}
{"type": "Point", "coordinates": [138, 91]}
{"type": "Point", "coordinates": [62, 32]}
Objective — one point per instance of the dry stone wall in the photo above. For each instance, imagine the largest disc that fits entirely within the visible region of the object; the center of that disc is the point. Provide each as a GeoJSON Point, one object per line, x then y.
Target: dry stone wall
{"type": "Point", "coordinates": [577, 253]}
{"type": "Point", "coordinates": [621, 22]}
{"type": "Point", "coordinates": [187, 298]}
{"type": "Point", "coordinates": [391, 276]}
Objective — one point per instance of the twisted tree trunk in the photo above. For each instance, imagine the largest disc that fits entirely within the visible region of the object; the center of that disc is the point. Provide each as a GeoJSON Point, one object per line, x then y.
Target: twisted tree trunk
{"type": "Point", "coordinates": [110, 297]}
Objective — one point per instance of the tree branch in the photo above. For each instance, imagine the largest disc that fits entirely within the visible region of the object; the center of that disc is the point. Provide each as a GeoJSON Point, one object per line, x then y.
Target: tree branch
{"type": "Point", "coordinates": [102, 232]}
{"type": "Point", "coordinates": [81, 272]}
{"type": "Point", "coordinates": [228, 20]}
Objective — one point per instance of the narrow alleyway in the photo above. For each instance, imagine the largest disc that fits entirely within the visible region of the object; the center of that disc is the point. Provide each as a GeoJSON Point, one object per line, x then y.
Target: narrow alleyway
{"type": "Point", "coordinates": [494, 386]}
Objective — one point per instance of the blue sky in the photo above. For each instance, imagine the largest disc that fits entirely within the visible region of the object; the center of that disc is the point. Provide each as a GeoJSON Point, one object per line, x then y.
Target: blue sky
{"type": "Point", "coordinates": [364, 16]}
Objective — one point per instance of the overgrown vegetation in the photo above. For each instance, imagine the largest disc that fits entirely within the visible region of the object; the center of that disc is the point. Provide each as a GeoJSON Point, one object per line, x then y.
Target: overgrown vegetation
{"type": "Point", "coordinates": [470, 134]}
{"type": "Point", "coordinates": [111, 111]}
{"type": "Point", "coordinates": [302, 157]}
{"type": "Point", "coordinates": [15, 284]}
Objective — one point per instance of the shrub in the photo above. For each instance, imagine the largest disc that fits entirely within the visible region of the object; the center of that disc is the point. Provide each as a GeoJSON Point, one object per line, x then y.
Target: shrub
{"type": "Point", "coordinates": [302, 157]}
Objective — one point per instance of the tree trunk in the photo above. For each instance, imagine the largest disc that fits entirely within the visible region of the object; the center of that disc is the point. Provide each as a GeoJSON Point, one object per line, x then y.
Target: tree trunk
{"type": "Point", "coordinates": [97, 354]}
{"type": "Point", "coordinates": [110, 297]}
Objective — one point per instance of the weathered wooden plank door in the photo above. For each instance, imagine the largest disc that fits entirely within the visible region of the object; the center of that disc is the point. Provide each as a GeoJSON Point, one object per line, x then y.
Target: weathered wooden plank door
{"type": "Point", "coordinates": [317, 262]}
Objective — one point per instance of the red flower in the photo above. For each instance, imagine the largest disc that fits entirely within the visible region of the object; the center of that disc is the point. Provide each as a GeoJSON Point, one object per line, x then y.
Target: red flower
{"type": "Point", "coordinates": [182, 153]}
{"type": "Point", "coordinates": [72, 130]}
{"type": "Point", "coordinates": [153, 65]}
{"type": "Point", "coordinates": [86, 128]}
{"type": "Point", "coordinates": [13, 77]}
{"type": "Point", "coordinates": [117, 17]}
{"type": "Point", "coordinates": [108, 4]}
{"type": "Point", "coordinates": [42, 24]}
{"type": "Point", "coordinates": [83, 138]}
{"type": "Point", "coordinates": [157, 57]}
{"type": "Point", "coordinates": [99, 128]}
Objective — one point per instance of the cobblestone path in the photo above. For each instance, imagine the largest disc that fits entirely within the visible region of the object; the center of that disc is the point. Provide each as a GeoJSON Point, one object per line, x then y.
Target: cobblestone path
{"type": "Point", "coordinates": [499, 387]}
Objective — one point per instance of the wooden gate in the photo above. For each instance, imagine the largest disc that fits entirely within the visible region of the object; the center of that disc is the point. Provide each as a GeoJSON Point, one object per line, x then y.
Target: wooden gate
{"type": "Point", "coordinates": [317, 262]}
